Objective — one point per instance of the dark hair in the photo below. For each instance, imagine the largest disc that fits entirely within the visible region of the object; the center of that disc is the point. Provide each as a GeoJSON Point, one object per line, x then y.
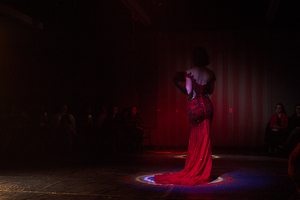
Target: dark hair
{"type": "Point", "coordinates": [200, 57]}
{"type": "Point", "coordinates": [282, 107]}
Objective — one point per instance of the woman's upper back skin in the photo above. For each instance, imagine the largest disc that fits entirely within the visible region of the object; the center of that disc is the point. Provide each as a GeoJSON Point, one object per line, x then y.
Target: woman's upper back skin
{"type": "Point", "coordinates": [202, 75]}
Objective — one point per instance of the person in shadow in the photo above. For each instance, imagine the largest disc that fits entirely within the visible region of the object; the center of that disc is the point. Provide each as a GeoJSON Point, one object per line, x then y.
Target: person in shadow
{"type": "Point", "coordinates": [40, 128]}
{"type": "Point", "coordinates": [123, 129]}
{"type": "Point", "coordinates": [65, 134]}
{"type": "Point", "coordinates": [64, 130]}
{"type": "Point", "coordinates": [277, 129]}
{"type": "Point", "coordinates": [57, 117]}
{"type": "Point", "coordinates": [114, 130]}
{"type": "Point", "coordinates": [134, 129]}
{"type": "Point", "coordinates": [294, 131]}
{"type": "Point", "coordinates": [86, 130]}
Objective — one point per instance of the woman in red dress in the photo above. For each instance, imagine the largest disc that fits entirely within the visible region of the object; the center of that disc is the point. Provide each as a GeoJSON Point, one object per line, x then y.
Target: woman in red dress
{"type": "Point", "coordinates": [199, 84]}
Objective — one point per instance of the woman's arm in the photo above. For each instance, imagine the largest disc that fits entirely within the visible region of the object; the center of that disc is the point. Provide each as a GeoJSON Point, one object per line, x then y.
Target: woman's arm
{"type": "Point", "coordinates": [180, 87]}
{"type": "Point", "coordinates": [188, 85]}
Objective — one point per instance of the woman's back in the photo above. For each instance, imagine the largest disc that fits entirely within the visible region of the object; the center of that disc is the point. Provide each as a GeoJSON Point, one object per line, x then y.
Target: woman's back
{"type": "Point", "coordinates": [202, 75]}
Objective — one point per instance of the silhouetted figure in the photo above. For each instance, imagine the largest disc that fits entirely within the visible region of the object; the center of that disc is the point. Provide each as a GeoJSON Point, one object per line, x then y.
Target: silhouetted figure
{"type": "Point", "coordinates": [86, 129]}
{"type": "Point", "coordinates": [134, 127]}
{"type": "Point", "coordinates": [41, 128]}
{"type": "Point", "coordinates": [114, 130]}
{"type": "Point", "coordinates": [123, 129]}
{"type": "Point", "coordinates": [64, 128]}
{"type": "Point", "coordinates": [65, 134]}
{"type": "Point", "coordinates": [294, 131]}
{"type": "Point", "coordinates": [277, 129]}
{"type": "Point", "coordinates": [57, 117]}
{"type": "Point", "coordinates": [102, 127]}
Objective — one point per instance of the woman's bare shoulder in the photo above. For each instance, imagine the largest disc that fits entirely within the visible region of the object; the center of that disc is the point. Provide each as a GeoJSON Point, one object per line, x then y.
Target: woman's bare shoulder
{"type": "Point", "coordinates": [201, 72]}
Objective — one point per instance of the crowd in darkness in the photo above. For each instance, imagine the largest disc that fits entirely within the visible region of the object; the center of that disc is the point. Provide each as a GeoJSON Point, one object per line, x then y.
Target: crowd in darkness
{"type": "Point", "coordinates": [283, 131]}
{"type": "Point", "coordinates": [283, 135]}
{"type": "Point", "coordinates": [38, 130]}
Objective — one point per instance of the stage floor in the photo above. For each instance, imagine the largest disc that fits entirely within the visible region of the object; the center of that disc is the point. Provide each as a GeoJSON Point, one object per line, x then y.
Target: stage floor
{"type": "Point", "coordinates": [239, 173]}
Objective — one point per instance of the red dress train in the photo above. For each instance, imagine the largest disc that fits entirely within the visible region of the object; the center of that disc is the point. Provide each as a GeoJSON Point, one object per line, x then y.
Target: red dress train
{"type": "Point", "coordinates": [198, 163]}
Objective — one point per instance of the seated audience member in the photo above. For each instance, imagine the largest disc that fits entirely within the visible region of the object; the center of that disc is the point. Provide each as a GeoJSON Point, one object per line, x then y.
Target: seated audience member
{"type": "Point", "coordinates": [134, 128]}
{"type": "Point", "coordinates": [123, 115]}
{"type": "Point", "coordinates": [85, 122]}
{"type": "Point", "coordinates": [294, 134]}
{"type": "Point", "coordinates": [57, 117]}
{"type": "Point", "coordinates": [41, 116]}
{"type": "Point", "coordinates": [86, 129]}
{"type": "Point", "coordinates": [65, 128]}
{"type": "Point", "coordinates": [102, 126]}
{"type": "Point", "coordinates": [115, 115]}
{"type": "Point", "coordinates": [277, 129]}
{"type": "Point", "coordinates": [40, 128]}
{"type": "Point", "coordinates": [102, 116]}
{"type": "Point", "coordinates": [123, 129]}
{"type": "Point", "coordinates": [65, 134]}
{"type": "Point", "coordinates": [114, 129]}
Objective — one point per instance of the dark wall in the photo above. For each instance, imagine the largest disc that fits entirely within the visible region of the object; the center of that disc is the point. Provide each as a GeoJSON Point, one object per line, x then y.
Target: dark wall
{"type": "Point", "coordinates": [94, 54]}
{"type": "Point", "coordinates": [285, 68]}
{"type": "Point", "coordinates": [21, 62]}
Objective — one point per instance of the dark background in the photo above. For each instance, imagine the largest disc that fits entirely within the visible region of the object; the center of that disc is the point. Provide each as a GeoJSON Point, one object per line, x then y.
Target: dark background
{"type": "Point", "coordinates": [87, 47]}
{"type": "Point", "coordinates": [105, 52]}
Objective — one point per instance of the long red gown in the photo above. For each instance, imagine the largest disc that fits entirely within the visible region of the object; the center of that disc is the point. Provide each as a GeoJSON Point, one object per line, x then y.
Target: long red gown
{"type": "Point", "coordinates": [198, 163]}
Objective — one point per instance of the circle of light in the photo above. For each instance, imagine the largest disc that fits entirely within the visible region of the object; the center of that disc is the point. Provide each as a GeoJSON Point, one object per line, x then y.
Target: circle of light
{"type": "Point", "coordinates": [149, 180]}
